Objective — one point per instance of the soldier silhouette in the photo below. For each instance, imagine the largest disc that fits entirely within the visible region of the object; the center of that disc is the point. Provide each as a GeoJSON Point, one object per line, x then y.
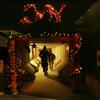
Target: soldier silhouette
{"type": "Point", "coordinates": [51, 60]}
{"type": "Point", "coordinates": [44, 55]}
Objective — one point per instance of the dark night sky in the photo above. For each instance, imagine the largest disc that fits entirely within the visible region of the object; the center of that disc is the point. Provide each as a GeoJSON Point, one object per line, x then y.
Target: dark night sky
{"type": "Point", "coordinates": [11, 12]}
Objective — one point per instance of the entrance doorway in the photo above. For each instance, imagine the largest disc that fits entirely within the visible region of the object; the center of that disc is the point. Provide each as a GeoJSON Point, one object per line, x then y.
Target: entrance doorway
{"type": "Point", "coordinates": [60, 50]}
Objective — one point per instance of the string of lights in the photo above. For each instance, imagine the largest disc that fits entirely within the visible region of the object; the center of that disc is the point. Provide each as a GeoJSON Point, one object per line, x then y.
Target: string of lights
{"type": "Point", "coordinates": [49, 8]}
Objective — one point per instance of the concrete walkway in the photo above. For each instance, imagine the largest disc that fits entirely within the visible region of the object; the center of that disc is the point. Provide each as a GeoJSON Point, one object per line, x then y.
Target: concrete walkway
{"type": "Point", "coordinates": [22, 97]}
{"type": "Point", "coordinates": [49, 87]}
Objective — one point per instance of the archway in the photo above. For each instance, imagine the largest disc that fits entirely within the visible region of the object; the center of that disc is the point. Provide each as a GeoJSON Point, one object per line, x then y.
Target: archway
{"type": "Point", "coordinates": [60, 50]}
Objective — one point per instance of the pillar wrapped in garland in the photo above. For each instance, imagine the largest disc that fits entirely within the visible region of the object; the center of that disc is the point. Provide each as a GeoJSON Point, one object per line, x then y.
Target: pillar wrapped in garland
{"type": "Point", "coordinates": [76, 68]}
{"type": "Point", "coordinates": [12, 66]}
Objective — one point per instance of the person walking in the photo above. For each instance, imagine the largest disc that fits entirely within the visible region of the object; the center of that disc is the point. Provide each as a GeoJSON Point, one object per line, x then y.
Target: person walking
{"type": "Point", "coordinates": [44, 55]}
{"type": "Point", "coordinates": [51, 60]}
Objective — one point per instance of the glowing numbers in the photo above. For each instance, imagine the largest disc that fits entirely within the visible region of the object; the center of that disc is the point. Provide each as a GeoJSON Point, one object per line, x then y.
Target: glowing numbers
{"type": "Point", "coordinates": [40, 15]}
{"type": "Point", "coordinates": [51, 10]}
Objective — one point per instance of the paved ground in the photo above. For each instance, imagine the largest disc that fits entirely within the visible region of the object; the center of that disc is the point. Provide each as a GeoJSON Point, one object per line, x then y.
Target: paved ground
{"type": "Point", "coordinates": [22, 97]}
{"type": "Point", "coordinates": [49, 87]}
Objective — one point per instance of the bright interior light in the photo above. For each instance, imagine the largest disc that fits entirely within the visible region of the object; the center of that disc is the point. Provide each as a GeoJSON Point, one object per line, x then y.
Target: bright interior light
{"type": "Point", "coordinates": [61, 51]}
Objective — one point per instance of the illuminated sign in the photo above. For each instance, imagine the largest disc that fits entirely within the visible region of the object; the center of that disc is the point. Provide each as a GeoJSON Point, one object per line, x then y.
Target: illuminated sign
{"type": "Point", "coordinates": [50, 9]}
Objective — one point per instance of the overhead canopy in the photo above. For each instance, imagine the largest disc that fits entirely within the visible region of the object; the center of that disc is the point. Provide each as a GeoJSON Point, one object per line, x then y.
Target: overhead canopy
{"type": "Point", "coordinates": [90, 20]}
{"type": "Point", "coordinates": [89, 24]}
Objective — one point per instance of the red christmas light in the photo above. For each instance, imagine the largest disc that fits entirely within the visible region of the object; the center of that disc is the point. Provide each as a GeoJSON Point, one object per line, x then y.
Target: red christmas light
{"type": "Point", "coordinates": [39, 15]}
{"type": "Point", "coordinates": [53, 12]}
{"type": "Point", "coordinates": [28, 6]}
{"type": "Point", "coordinates": [65, 38]}
{"type": "Point", "coordinates": [26, 19]}
{"type": "Point", "coordinates": [23, 38]}
{"type": "Point", "coordinates": [76, 45]}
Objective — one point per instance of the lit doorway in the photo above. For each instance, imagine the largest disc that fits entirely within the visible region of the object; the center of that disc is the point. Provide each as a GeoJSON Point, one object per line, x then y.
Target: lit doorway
{"type": "Point", "coordinates": [60, 50]}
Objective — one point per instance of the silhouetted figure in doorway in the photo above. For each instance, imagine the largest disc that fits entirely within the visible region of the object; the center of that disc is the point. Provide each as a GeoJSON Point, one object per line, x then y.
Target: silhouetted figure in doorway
{"type": "Point", "coordinates": [44, 54]}
{"type": "Point", "coordinates": [51, 60]}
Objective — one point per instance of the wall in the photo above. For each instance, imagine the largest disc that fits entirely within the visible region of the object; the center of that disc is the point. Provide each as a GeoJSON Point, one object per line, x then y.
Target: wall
{"type": "Point", "coordinates": [93, 84]}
